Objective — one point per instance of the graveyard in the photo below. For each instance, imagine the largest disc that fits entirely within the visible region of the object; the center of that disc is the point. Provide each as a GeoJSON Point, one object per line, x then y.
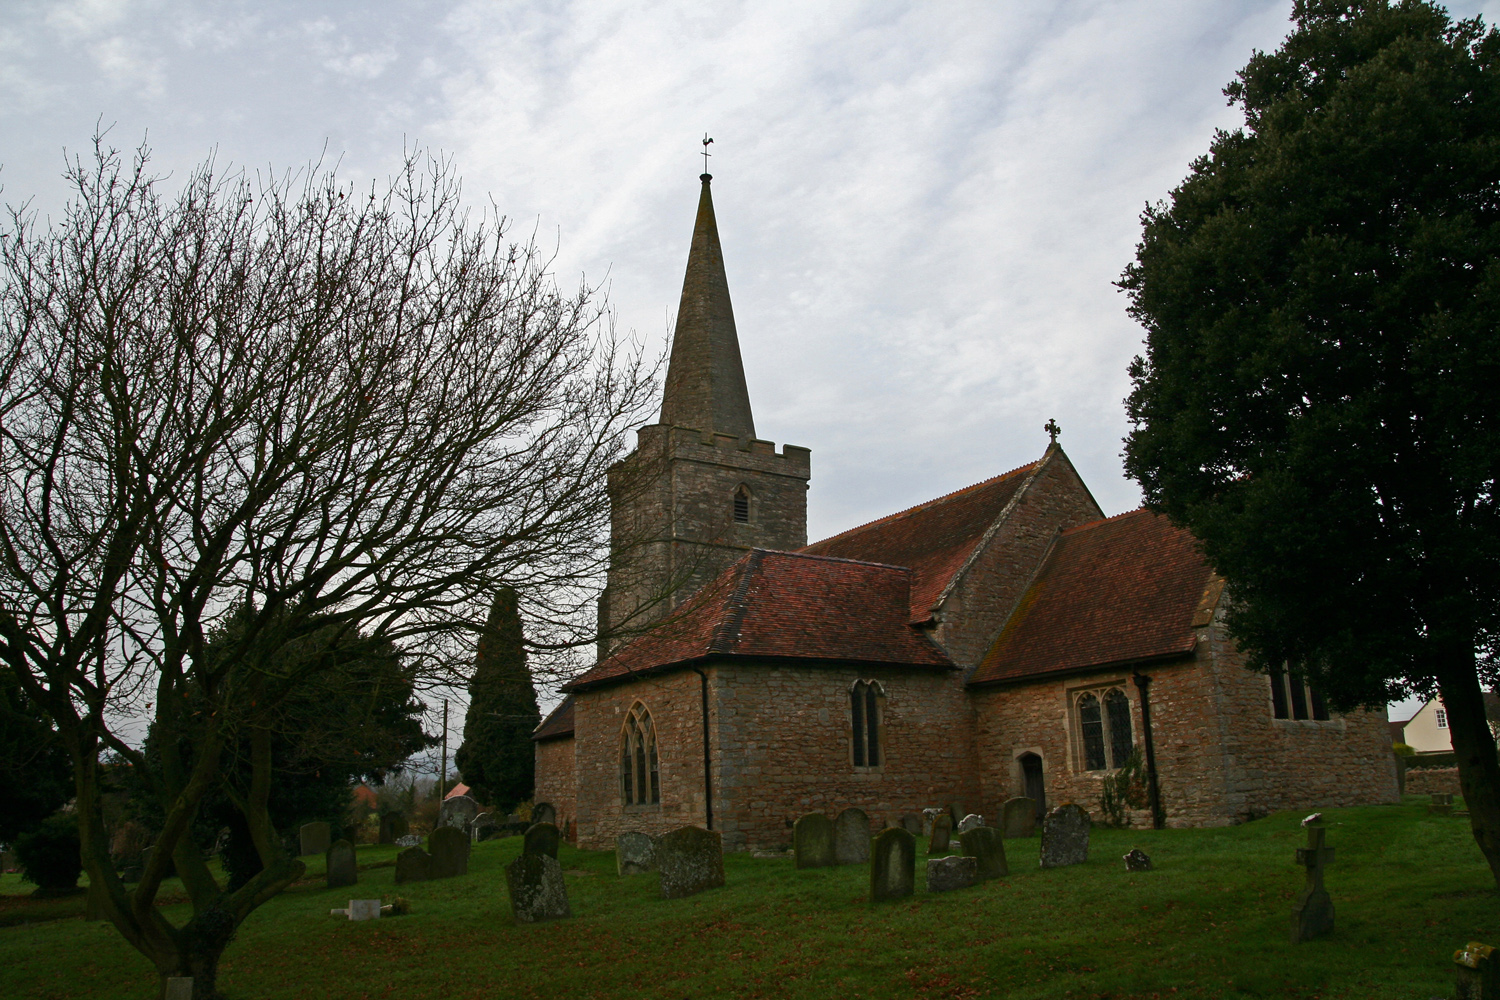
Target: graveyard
{"type": "Point", "coordinates": [1210, 919]}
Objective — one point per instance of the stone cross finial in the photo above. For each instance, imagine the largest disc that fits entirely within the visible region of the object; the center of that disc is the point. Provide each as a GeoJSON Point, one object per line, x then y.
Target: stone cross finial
{"type": "Point", "coordinates": [1052, 429]}
{"type": "Point", "coordinates": [706, 154]}
{"type": "Point", "coordinates": [1312, 916]}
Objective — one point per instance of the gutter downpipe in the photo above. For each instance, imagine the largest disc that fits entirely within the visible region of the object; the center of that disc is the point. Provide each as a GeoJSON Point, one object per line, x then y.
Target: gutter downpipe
{"type": "Point", "coordinates": [708, 781]}
{"type": "Point", "coordinates": [1153, 790]}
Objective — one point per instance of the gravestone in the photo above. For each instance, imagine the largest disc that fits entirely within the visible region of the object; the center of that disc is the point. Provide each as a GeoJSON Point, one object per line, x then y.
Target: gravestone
{"type": "Point", "coordinates": [1441, 805]}
{"type": "Point", "coordinates": [956, 872]}
{"type": "Point", "coordinates": [942, 834]}
{"type": "Point", "coordinates": [690, 860]}
{"type": "Point", "coordinates": [315, 838]}
{"type": "Point", "coordinates": [893, 865]}
{"type": "Point", "coordinates": [1312, 914]}
{"type": "Point", "coordinates": [929, 816]}
{"type": "Point", "coordinates": [359, 909]}
{"type": "Point", "coordinates": [413, 865]}
{"type": "Point", "coordinates": [341, 867]}
{"type": "Point", "coordinates": [983, 843]}
{"type": "Point", "coordinates": [912, 824]}
{"type": "Point", "coordinates": [635, 853]}
{"type": "Point", "coordinates": [458, 812]}
{"type": "Point", "coordinates": [484, 827]}
{"type": "Point", "coordinates": [1137, 861]}
{"type": "Point", "coordinates": [543, 812]}
{"type": "Point", "coordinates": [408, 840]}
{"type": "Point", "coordinates": [851, 837]}
{"type": "Point", "coordinates": [1018, 818]}
{"type": "Point", "coordinates": [1478, 972]}
{"type": "Point", "coordinates": [955, 814]}
{"type": "Point", "coordinates": [541, 838]}
{"type": "Point", "coordinates": [178, 988]}
{"type": "Point", "coordinates": [537, 892]}
{"type": "Point", "coordinates": [1065, 836]}
{"type": "Point", "coordinates": [392, 827]}
{"type": "Point", "coordinates": [812, 842]}
{"type": "Point", "coordinates": [449, 847]}
{"type": "Point", "coordinates": [973, 821]}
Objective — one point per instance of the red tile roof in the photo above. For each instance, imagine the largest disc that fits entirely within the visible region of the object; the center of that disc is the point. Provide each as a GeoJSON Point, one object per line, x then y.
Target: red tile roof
{"type": "Point", "coordinates": [558, 723]}
{"type": "Point", "coordinates": [785, 605]}
{"type": "Point", "coordinates": [933, 539]}
{"type": "Point", "coordinates": [1124, 589]}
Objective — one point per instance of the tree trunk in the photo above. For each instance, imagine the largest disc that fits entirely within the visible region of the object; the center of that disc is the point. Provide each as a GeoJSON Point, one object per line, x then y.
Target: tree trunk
{"type": "Point", "coordinates": [1474, 747]}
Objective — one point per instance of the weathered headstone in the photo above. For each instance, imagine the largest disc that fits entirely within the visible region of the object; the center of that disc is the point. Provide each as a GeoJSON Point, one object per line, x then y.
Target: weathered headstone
{"type": "Point", "coordinates": [812, 842]}
{"type": "Point", "coordinates": [392, 827]}
{"type": "Point", "coordinates": [341, 867]}
{"type": "Point", "coordinates": [449, 847]}
{"type": "Point", "coordinates": [1065, 836]}
{"type": "Point", "coordinates": [543, 812]}
{"type": "Point", "coordinates": [1478, 970]}
{"type": "Point", "coordinates": [1312, 913]}
{"type": "Point", "coordinates": [541, 838]}
{"type": "Point", "coordinates": [1442, 804]}
{"type": "Point", "coordinates": [690, 860]}
{"type": "Point", "coordinates": [912, 824]}
{"type": "Point", "coordinates": [893, 865]}
{"type": "Point", "coordinates": [955, 872]}
{"type": "Point", "coordinates": [1137, 860]}
{"type": "Point", "coordinates": [851, 837]}
{"type": "Point", "coordinates": [983, 843]}
{"type": "Point", "coordinates": [408, 840]}
{"type": "Point", "coordinates": [315, 837]}
{"type": "Point", "coordinates": [359, 909]}
{"type": "Point", "coordinates": [1018, 818]}
{"type": "Point", "coordinates": [973, 821]}
{"type": "Point", "coordinates": [413, 865]}
{"type": "Point", "coordinates": [458, 812]}
{"type": "Point", "coordinates": [635, 853]}
{"type": "Point", "coordinates": [929, 815]}
{"type": "Point", "coordinates": [178, 988]}
{"type": "Point", "coordinates": [486, 826]}
{"type": "Point", "coordinates": [537, 891]}
{"type": "Point", "coordinates": [942, 834]}
{"type": "Point", "coordinates": [955, 814]}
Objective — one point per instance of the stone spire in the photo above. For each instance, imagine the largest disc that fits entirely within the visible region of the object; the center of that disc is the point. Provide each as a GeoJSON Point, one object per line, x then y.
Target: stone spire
{"type": "Point", "coordinates": [705, 378]}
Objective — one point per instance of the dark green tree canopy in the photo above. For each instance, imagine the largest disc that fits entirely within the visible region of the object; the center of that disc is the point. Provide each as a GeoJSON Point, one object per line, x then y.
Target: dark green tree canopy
{"type": "Point", "coordinates": [36, 777]}
{"type": "Point", "coordinates": [497, 760]}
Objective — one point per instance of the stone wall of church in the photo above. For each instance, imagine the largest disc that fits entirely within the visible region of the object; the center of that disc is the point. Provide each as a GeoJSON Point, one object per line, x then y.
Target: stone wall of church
{"type": "Point", "coordinates": [557, 778]}
{"type": "Point", "coordinates": [783, 748]}
{"type": "Point", "coordinates": [981, 602]}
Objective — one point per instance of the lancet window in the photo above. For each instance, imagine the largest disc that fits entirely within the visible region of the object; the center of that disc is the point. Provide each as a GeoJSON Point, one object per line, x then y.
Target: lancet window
{"type": "Point", "coordinates": [639, 783]}
{"type": "Point", "coordinates": [866, 699]}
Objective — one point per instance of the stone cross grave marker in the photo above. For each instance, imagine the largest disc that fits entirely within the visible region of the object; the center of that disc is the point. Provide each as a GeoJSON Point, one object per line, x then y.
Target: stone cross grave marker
{"type": "Point", "coordinates": [893, 865]}
{"type": "Point", "coordinates": [955, 872]}
{"type": "Point", "coordinates": [179, 988]}
{"type": "Point", "coordinates": [851, 837]}
{"type": "Point", "coordinates": [970, 822]}
{"type": "Point", "coordinates": [392, 827]}
{"type": "Point", "coordinates": [541, 838]}
{"type": "Point", "coordinates": [1018, 818]}
{"type": "Point", "coordinates": [911, 823]}
{"type": "Point", "coordinates": [690, 860]}
{"type": "Point", "coordinates": [543, 812]}
{"type": "Point", "coordinates": [1065, 836]}
{"type": "Point", "coordinates": [942, 833]}
{"type": "Point", "coordinates": [1137, 860]}
{"type": "Point", "coordinates": [314, 838]}
{"type": "Point", "coordinates": [635, 853]}
{"type": "Point", "coordinates": [458, 812]}
{"type": "Point", "coordinates": [984, 844]}
{"type": "Point", "coordinates": [1478, 970]}
{"type": "Point", "coordinates": [812, 842]}
{"type": "Point", "coordinates": [449, 847]}
{"type": "Point", "coordinates": [1312, 914]}
{"type": "Point", "coordinates": [342, 870]}
{"type": "Point", "coordinates": [537, 892]}
{"type": "Point", "coordinates": [413, 865]}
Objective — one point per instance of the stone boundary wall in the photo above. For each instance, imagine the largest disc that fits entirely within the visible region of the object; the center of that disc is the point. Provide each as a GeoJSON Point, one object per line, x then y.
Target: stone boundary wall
{"type": "Point", "coordinates": [1427, 781]}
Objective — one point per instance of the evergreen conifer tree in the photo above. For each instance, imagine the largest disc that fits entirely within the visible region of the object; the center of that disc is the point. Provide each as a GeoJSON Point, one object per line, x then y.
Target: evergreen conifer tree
{"type": "Point", "coordinates": [496, 759]}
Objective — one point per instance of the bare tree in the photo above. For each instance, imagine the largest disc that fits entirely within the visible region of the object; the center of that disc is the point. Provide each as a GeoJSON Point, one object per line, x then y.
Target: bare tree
{"type": "Point", "coordinates": [358, 410]}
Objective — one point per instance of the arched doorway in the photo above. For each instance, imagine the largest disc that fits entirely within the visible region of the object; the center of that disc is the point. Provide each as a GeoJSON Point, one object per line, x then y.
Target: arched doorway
{"type": "Point", "coordinates": [1031, 780]}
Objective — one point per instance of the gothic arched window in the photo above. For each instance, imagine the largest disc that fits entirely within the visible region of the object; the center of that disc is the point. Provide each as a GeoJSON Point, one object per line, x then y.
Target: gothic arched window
{"type": "Point", "coordinates": [639, 783]}
{"type": "Point", "coordinates": [1105, 739]}
{"type": "Point", "coordinates": [865, 698]}
{"type": "Point", "coordinates": [742, 504]}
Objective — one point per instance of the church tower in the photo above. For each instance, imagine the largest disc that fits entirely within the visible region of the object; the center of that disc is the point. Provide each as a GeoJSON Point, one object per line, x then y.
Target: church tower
{"type": "Point", "coordinates": [700, 489]}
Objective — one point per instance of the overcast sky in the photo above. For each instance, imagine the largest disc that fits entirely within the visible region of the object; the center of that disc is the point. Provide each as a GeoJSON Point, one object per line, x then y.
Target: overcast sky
{"type": "Point", "coordinates": [923, 206]}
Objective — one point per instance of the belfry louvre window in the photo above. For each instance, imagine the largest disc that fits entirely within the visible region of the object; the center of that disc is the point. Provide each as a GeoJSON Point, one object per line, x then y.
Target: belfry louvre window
{"type": "Point", "coordinates": [742, 505]}
{"type": "Point", "coordinates": [1104, 735]}
{"type": "Point", "coordinates": [1293, 698]}
{"type": "Point", "coordinates": [639, 783]}
{"type": "Point", "coordinates": [865, 698]}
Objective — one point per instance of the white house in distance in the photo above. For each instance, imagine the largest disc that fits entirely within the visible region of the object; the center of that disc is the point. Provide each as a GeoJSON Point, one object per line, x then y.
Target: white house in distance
{"type": "Point", "coordinates": [1427, 731]}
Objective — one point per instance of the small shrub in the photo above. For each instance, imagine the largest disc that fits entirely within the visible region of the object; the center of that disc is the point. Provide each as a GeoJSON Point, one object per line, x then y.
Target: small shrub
{"type": "Point", "coordinates": [1404, 749]}
{"type": "Point", "coordinates": [400, 906]}
{"type": "Point", "coordinates": [1125, 789]}
{"type": "Point", "coordinates": [49, 853]}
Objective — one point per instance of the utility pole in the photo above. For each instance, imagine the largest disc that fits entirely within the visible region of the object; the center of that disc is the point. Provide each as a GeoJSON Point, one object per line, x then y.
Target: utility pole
{"type": "Point", "coordinates": [443, 766]}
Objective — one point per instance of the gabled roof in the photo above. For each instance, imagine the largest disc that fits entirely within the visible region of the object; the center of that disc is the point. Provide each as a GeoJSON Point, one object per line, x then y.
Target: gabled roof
{"type": "Point", "coordinates": [558, 723]}
{"type": "Point", "coordinates": [1125, 589]}
{"type": "Point", "coordinates": [934, 539]}
{"type": "Point", "coordinates": [784, 605]}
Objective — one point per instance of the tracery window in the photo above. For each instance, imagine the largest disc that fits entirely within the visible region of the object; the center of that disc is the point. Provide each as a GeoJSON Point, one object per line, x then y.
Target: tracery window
{"type": "Point", "coordinates": [742, 505]}
{"type": "Point", "coordinates": [1102, 717]}
{"type": "Point", "coordinates": [1293, 698]}
{"type": "Point", "coordinates": [639, 782]}
{"type": "Point", "coordinates": [865, 699]}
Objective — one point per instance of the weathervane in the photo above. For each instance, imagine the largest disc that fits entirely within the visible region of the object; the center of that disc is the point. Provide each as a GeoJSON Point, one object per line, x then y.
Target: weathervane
{"type": "Point", "coordinates": [706, 154]}
{"type": "Point", "coordinates": [1052, 429]}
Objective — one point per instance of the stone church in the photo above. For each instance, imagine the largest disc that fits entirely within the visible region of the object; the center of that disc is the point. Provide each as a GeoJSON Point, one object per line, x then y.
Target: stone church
{"type": "Point", "coordinates": [1006, 639]}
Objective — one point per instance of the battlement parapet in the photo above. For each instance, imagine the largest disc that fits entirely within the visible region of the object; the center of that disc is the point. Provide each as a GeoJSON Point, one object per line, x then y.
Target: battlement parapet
{"type": "Point", "coordinates": [725, 449]}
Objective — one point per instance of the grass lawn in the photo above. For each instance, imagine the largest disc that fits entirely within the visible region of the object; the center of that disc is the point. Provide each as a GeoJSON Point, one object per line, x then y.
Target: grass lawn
{"type": "Point", "coordinates": [1211, 921]}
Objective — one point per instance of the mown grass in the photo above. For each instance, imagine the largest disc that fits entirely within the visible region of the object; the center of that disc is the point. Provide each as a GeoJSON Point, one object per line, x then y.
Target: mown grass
{"type": "Point", "coordinates": [1210, 922]}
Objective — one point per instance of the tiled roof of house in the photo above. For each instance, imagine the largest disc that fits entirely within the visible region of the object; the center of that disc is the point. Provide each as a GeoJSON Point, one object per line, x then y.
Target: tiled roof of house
{"type": "Point", "coordinates": [1125, 589]}
{"type": "Point", "coordinates": [933, 539]}
{"type": "Point", "coordinates": [558, 723]}
{"type": "Point", "coordinates": [785, 605]}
